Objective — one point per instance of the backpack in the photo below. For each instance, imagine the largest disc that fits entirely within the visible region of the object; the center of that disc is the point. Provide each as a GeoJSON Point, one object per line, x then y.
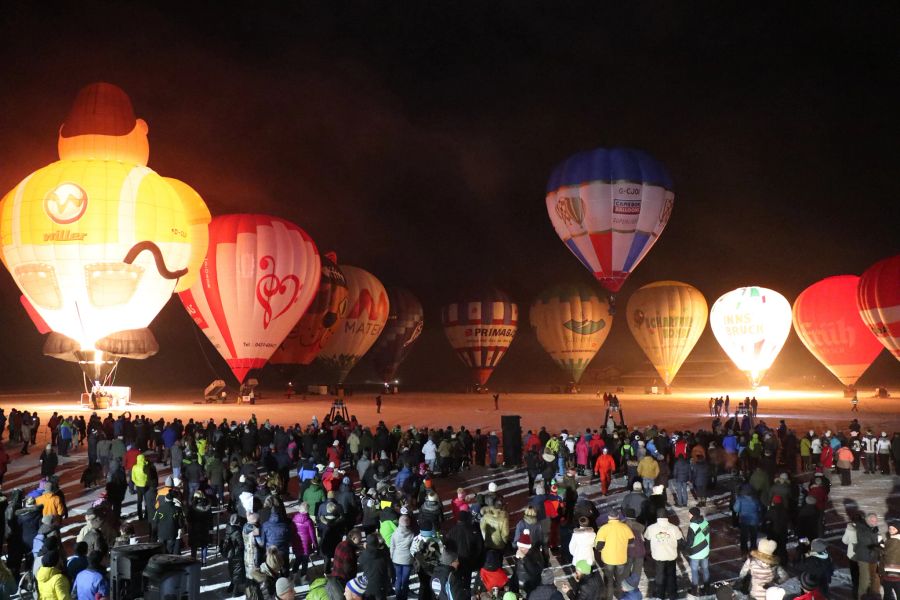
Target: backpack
{"type": "Point", "coordinates": [428, 555]}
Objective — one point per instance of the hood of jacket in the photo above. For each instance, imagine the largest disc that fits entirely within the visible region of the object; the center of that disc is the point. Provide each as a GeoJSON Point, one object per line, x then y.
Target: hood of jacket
{"type": "Point", "coordinates": [768, 559]}
{"type": "Point", "coordinates": [44, 574]}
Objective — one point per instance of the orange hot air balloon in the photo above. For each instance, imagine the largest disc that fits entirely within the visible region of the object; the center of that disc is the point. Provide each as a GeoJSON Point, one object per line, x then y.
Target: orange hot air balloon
{"type": "Point", "coordinates": [306, 340]}
{"type": "Point", "coordinates": [259, 276]}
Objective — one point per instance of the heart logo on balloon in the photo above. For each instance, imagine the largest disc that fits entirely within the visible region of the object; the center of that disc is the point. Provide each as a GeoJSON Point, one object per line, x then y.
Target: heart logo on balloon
{"type": "Point", "coordinates": [272, 291]}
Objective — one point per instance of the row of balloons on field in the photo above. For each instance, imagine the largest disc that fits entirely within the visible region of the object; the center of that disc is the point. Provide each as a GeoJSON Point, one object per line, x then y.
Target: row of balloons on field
{"type": "Point", "coordinates": [351, 313]}
{"type": "Point", "coordinates": [97, 242]}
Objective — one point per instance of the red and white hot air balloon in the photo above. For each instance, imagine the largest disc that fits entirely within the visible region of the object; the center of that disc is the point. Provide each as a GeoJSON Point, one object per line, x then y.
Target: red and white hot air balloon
{"type": "Point", "coordinates": [259, 277]}
{"type": "Point", "coordinates": [878, 300]}
{"type": "Point", "coordinates": [827, 322]}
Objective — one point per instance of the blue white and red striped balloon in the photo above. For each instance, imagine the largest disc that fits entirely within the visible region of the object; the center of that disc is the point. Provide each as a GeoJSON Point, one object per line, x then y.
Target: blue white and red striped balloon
{"type": "Point", "coordinates": [609, 206]}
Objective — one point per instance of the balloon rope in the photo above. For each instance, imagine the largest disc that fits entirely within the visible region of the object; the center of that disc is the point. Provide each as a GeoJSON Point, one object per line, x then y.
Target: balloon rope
{"type": "Point", "coordinates": [203, 351]}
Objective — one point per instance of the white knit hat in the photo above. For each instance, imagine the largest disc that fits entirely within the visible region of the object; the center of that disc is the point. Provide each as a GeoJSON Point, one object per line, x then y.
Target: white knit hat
{"type": "Point", "coordinates": [767, 546]}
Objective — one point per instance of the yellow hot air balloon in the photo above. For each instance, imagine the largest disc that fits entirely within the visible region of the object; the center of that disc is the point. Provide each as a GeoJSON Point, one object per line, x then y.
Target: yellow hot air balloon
{"type": "Point", "coordinates": [571, 323]}
{"type": "Point", "coordinates": [96, 241]}
{"type": "Point", "coordinates": [666, 319]}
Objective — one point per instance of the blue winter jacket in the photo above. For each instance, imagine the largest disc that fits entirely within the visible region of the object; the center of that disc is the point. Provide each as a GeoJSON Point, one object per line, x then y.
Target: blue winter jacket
{"type": "Point", "coordinates": [276, 532]}
{"type": "Point", "coordinates": [748, 509]}
{"type": "Point", "coordinates": [88, 584]}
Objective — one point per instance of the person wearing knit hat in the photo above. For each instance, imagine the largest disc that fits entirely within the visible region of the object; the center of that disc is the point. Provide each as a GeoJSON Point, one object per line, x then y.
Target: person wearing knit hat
{"type": "Point", "coordinates": [764, 568]}
{"type": "Point", "coordinates": [356, 587]}
{"type": "Point", "coordinates": [284, 589]}
{"type": "Point", "coordinates": [524, 542]}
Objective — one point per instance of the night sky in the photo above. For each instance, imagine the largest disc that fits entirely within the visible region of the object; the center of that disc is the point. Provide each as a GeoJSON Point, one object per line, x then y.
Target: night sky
{"type": "Point", "coordinates": [415, 139]}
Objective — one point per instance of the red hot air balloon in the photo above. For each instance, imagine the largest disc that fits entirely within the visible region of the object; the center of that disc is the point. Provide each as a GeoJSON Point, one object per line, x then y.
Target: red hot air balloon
{"type": "Point", "coordinates": [828, 323]}
{"type": "Point", "coordinates": [259, 277]}
{"type": "Point", "coordinates": [878, 300]}
{"type": "Point", "coordinates": [480, 327]}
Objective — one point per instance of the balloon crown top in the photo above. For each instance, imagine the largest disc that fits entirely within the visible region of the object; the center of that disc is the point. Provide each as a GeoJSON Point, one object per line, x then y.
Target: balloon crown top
{"type": "Point", "coordinates": [101, 125]}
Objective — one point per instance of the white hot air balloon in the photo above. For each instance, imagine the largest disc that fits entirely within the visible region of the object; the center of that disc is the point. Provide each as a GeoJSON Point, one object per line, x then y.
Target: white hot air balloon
{"type": "Point", "coordinates": [751, 324]}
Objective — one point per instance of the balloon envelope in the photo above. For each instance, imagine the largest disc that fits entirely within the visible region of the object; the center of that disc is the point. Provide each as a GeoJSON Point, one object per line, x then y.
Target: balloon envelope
{"type": "Point", "coordinates": [259, 276]}
{"type": "Point", "coordinates": [878, 301]}
{"type": "Point", "coordinates": [97, 241]}
{"type": "Point", "coordinates": [666, 319]}
{"type": "Point", "coordinates": [367, 312]}
{"type": "Point", "coordinates": [480, 327]}
{"type": "Point", "coordinates": [828, 323]}
{"type": "Point", "coordinates": [306, 340]}
{"type": "Point", "coordinates": [609, 206]}
{"type": "Point", "coordinates": [751, 324]}
{"type": "Point", "coordinates": [571, 323]}
{"type": "Point", "coordinates": [403, 327]}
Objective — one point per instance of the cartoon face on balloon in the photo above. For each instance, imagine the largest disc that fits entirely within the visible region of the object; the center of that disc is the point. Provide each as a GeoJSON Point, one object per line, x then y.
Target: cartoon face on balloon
{"type": "Point", "coordinates": [95, 241]}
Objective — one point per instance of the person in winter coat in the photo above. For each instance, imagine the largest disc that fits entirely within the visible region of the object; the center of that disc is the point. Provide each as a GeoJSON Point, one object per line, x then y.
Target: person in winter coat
{"type": "Point", "coordinates": [700, 479]}
{"type": "Point", "coordinates": [374, 562]}
{"type": "Point", "coordinates": [818, 565]}
{"type": "Point", "coordinates": [664, 538]}
{"type": "Point", "coordinates": [170, 522]}
{"type": "Point", "coordinates": [303, 539]}
{"type": "Point", "coordinates": [613, 539]}
{"type": "Point", "coordinates": [530, 522]}
{"type": "Point", "coordinates": [581, 455]}
{"type": "Point", "coordinates": [810, 521]}
{"type": "Point", "coordinates": [697, 544]}
{"type": "Point", "coordinates": [401, 556]}
{"type": "Point", "coordinates": [233, 548]}
{"type": "Point", "coordinates": [547, 589]}
{"type": "Point", "coordinates": [775, 525]}
{"type": "Point", "coordinates": [681, 475]}
{"type": "Point", "coordinates": [139, 478]}
{"type": "Point", "coordinates": [276, 531]}
{"type": "Point", "coordinates": [581, 546]}
{"type": "Point", "coordinates": [466, 540]}
{"type": "Point", "coordinates": [889, 567]}
{"type": "Point", "coordinates": [749, 513]}
{"type": "Point", "coordinates": [636, 501]}
{"type": "Point", "coordinates": [91, 583]}
{"type": "Point", "coordinates": [199, 521]}
{"type": "Point", "coordinates": [50, 502]}
{"type": "Point", "coordinates": [604, 468]}
{"type": "Point", "coordinates": [867, 553]}
{"type": "Point", "coordinates": [648, 470]}
{"type": "Point", "coordinates": [495, 528]}
{"type": "Point", "coordinates": [588, 582]}
{"type": "Point", "coordinates": [492, 579]}
{"type": "Point", "coordinates": [314, 495]}
{"type": "Point", "coordinates": [49, 461]}
{"type": "Point", "coordinates": [432, 508]}
{"type": "Point", "coordinates": [96, 532]}
{"type": "Point", "coordinates": [529, 563]}
{"type": "Point", "coordinates": [764, 569]}
{"type": "Point", "coordinates": [51, 581]}
{"type": "Point", "coordinates": [252, 550]}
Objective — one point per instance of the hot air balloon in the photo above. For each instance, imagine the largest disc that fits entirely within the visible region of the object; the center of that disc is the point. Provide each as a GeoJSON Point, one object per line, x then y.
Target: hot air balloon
{"type": "Point", "coordinates": [404, 325]}
{"type": "Point", "coordinates": [96, 241]}
{"type": "Point", "coordinates": [259, 276]}
{"type": "Point", "coordinates": [480, 327]}
{"type": "Point", "coordinates": [571, 323]}
{"type": "Point", "coordinates": [303, 344]}
{"type": "Point", "coordinates": [878, 300]}
{"type": "Point", "coordinates": [609, 206]}
{"type": "Point", "coordinates": [751, 324]}
{"type": "Point", "coordinates": [828, 323]}
{"type": "Point", "coordinates": [367, 312]}
{"type": "Point", "coordinates": [666, 319]}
